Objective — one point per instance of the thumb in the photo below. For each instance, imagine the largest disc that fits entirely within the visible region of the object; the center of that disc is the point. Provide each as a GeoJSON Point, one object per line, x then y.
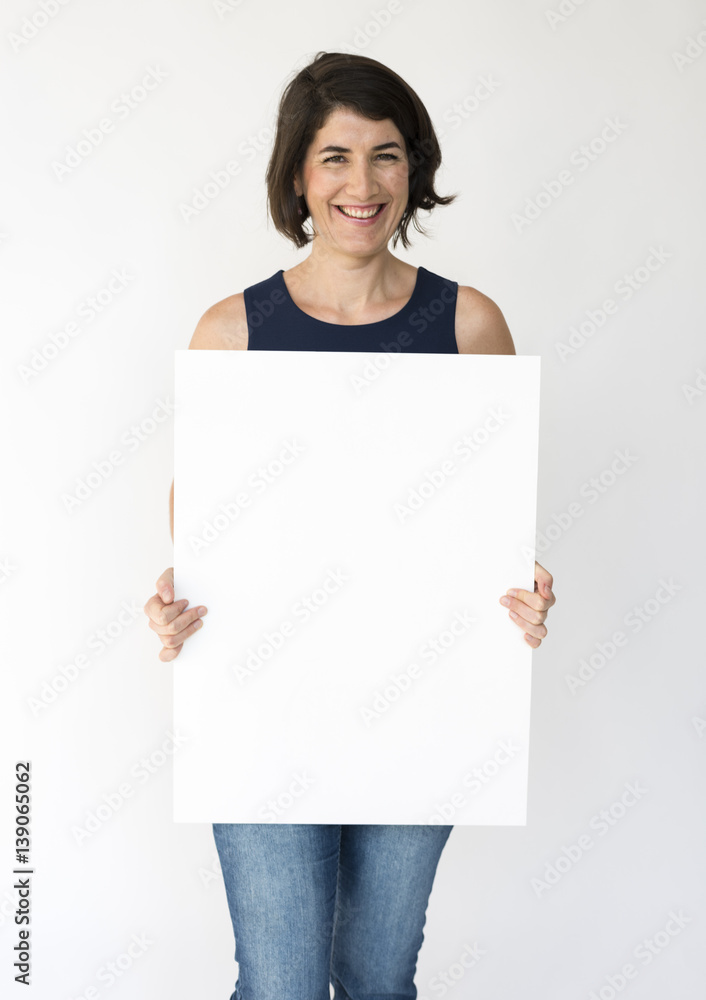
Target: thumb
{"type": "Point", "coordinates": [165, 585]}
{"type": "Point", "coordinates": [544, 580]}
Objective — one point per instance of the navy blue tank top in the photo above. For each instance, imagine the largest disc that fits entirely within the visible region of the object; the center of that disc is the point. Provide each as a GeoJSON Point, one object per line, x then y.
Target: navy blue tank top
{"type": "Point", "coordinates": [425, 325]}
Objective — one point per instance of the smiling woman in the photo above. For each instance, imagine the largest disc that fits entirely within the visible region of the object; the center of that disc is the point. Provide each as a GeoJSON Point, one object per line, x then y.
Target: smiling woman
{"type": "Point", "coordinates": [403, 146]}
{"type": "Point", "coordinates": [355, 155]}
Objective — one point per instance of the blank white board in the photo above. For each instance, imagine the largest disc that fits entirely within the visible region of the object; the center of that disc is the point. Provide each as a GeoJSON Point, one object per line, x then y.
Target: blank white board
{"type": "Point", "coordinates": [351, 520]}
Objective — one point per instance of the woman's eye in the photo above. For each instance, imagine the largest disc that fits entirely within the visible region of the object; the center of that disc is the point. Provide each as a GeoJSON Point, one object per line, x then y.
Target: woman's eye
{"type": "Point", "coordinates": [340, 156]}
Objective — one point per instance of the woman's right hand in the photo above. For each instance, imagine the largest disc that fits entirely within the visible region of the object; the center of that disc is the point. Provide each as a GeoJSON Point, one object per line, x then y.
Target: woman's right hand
{"type": "Point", "coordinates": [169, 619]}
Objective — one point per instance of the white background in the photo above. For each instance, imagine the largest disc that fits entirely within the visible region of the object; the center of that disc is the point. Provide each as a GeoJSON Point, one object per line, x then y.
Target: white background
{"type": "Point", "coordinates": [638, 721]}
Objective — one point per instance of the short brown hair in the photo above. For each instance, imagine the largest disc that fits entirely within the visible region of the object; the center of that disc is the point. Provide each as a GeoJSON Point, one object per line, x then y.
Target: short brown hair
{"type": "Point", "coordinates": [338, 80]}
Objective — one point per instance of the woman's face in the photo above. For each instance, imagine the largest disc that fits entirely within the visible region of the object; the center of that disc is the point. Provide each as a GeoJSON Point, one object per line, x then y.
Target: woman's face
{"type": "Point", "coordinates": [361, 175]}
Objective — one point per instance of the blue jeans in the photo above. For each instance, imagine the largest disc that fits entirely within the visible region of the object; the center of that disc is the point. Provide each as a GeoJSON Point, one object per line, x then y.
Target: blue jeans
{"type": "Point", "coordinates": [313, 904]}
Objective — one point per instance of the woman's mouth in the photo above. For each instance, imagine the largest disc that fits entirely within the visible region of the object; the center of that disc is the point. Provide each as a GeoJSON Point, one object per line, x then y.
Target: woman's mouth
{"type": "Point", "coordinates": [361, 216]}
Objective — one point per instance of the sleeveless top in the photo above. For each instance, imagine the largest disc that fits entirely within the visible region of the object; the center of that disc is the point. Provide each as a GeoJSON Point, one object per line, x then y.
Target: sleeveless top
{"type": "Point", "coordinates": [425, 325]}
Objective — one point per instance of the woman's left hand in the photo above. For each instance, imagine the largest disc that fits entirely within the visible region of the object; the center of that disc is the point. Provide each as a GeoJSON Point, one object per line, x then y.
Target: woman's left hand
{"type": "Point", "coordinates": [528, 610]}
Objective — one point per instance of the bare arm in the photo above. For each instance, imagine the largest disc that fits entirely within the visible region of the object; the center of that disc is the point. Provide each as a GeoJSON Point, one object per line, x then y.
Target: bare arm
{"type": "Point", "coordinates": [220, 328]}
{"type": "Point", "coordinates": [480, 324]}
{"type": "Point", "coordinates": [481, 329]}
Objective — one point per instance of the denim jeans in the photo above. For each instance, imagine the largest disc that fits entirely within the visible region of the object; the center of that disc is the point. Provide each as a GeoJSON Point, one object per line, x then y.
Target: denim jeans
{"type": "Point", "coordinates": [313, 904]}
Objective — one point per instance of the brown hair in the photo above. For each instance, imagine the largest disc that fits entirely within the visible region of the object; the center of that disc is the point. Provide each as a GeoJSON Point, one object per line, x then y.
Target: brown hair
{"type": "Point", "coordinates": [338, 80]}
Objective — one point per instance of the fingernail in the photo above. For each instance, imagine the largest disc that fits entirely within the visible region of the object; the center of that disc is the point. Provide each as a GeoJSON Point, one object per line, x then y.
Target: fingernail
{"type": "Point", "coordinates": [505, 601]}
{"type": "Point", "coordinates": [512, 593]}
{"type": "Point", "coordinates": [198, 624]}
{"type": "Point", "coordinates": [203, 611]}
{"type": "Point", "coordinates": [165, 595]}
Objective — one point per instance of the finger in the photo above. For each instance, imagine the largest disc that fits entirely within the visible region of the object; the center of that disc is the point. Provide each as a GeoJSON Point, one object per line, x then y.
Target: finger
{"type": "Point", "coordinates": [536, 631]}
{"type": "Point", "coordinates": [166, 655]}
{"type": "Point", "coordinates": [531, 606]}
{"type": "Point", "coordinates": [170, 641]}
{"type": "Point", "coordinates": [543, 581]}
{"type": "Point", "coordinates": [160, 613]}
{"type": "Point", "coordinates": [165, 585]}
{"type": "Point", "coordinates": [178, 623]}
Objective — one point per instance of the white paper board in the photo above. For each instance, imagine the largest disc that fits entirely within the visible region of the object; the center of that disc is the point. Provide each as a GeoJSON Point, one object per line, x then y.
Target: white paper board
{"type": "Point", "coordinates": [350, 520]}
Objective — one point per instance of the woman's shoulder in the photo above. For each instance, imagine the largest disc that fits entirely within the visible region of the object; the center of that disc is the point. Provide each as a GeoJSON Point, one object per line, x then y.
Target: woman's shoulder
{"type": "Point", "coordinates": [480, 324]}
{"type": "Point", "coordinates": [223, 327]}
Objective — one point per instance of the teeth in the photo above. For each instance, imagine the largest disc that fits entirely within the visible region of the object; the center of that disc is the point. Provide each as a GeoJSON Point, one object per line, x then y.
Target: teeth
{"type": "Point", "coordinates": [357, 213]}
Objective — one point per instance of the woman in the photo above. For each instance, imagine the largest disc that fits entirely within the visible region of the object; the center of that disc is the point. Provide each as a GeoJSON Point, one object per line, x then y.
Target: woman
{"type": "Point", "coordinates": [356, 152]}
